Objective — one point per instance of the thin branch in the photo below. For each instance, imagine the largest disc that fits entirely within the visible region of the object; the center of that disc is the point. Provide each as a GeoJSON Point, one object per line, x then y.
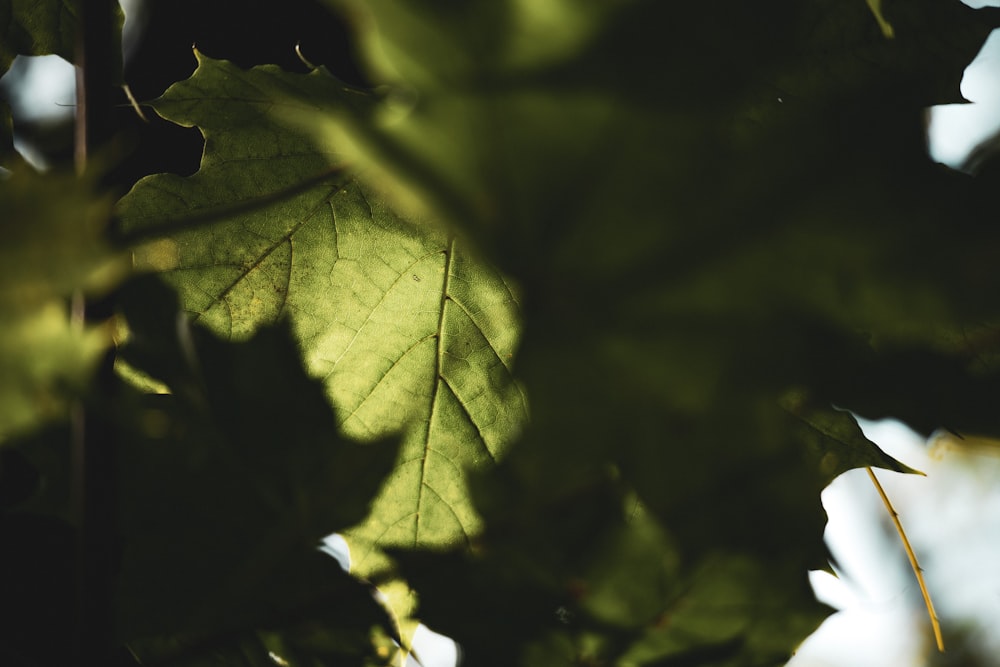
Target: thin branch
{"type": "Point", "coordinates": [94, 439]}
{"type": "Point", "coordinates": [935, 624]}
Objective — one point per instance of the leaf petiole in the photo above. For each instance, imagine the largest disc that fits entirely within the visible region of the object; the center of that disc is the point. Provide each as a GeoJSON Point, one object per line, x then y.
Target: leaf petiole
{"type": "Point", "coordinates": [935, 624]}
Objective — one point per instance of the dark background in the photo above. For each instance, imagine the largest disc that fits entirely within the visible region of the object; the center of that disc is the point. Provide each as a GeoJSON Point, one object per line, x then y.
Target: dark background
{"type": "Point", "coordinates": [246, 32]}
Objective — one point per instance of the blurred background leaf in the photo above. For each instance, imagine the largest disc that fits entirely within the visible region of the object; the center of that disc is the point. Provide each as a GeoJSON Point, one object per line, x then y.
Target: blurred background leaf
{"type": "Point", "coordinates": [51, 244]}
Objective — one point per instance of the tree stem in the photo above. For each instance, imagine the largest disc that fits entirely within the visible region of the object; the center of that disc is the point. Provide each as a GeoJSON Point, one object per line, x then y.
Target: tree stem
{"type": "Point", "coordinates": [94, 439]}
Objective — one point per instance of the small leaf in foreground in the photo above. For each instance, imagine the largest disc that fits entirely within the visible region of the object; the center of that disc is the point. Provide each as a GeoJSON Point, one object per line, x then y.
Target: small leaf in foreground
{"type": "Point", "coordinates": [265, 473]}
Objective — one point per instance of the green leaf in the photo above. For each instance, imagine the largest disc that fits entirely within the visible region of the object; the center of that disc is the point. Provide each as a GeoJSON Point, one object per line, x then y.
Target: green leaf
{"type": "Point", "coordinates": [51, 246]}
{"type": "Point", "coordinates": [837, 435]}
{"type": "Point", "coordinates": [408, 328]}
{"type": "Point", "coordinates": [43, 27]}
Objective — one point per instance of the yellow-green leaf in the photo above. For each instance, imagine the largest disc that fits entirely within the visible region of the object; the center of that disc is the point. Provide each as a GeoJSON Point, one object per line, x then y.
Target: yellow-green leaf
{"type": "Point", "coordinates": [411, 331]}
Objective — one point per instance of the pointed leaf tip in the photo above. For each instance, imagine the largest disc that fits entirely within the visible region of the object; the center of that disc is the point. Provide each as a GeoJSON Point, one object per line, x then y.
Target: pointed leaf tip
{"type": "Point", "coordinates": [837, 435]}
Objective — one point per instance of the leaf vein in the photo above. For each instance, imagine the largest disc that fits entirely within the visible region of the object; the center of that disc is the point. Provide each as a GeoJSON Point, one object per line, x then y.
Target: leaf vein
{"type": "Point", "coordinates": [385, 293]}
{"type": "Point", "coordinates": [472, 420]}
{"type": "Point", "coordinates": [446, 282]}
{"type": "Point", "coordinates": [284, 238]}
{"type": "Point", "coordinates": [394, 363]}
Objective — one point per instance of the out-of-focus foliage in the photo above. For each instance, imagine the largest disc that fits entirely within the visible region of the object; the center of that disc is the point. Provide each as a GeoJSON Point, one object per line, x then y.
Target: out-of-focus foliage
{"type": "Point", "coordinates": [51, 244]}
{"type": "Point", "coordinates": [684, 237]}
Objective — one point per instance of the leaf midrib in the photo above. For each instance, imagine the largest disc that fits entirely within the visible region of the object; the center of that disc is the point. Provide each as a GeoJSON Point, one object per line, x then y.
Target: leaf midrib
{"type": "Point", "coordinates": [436, 381]}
